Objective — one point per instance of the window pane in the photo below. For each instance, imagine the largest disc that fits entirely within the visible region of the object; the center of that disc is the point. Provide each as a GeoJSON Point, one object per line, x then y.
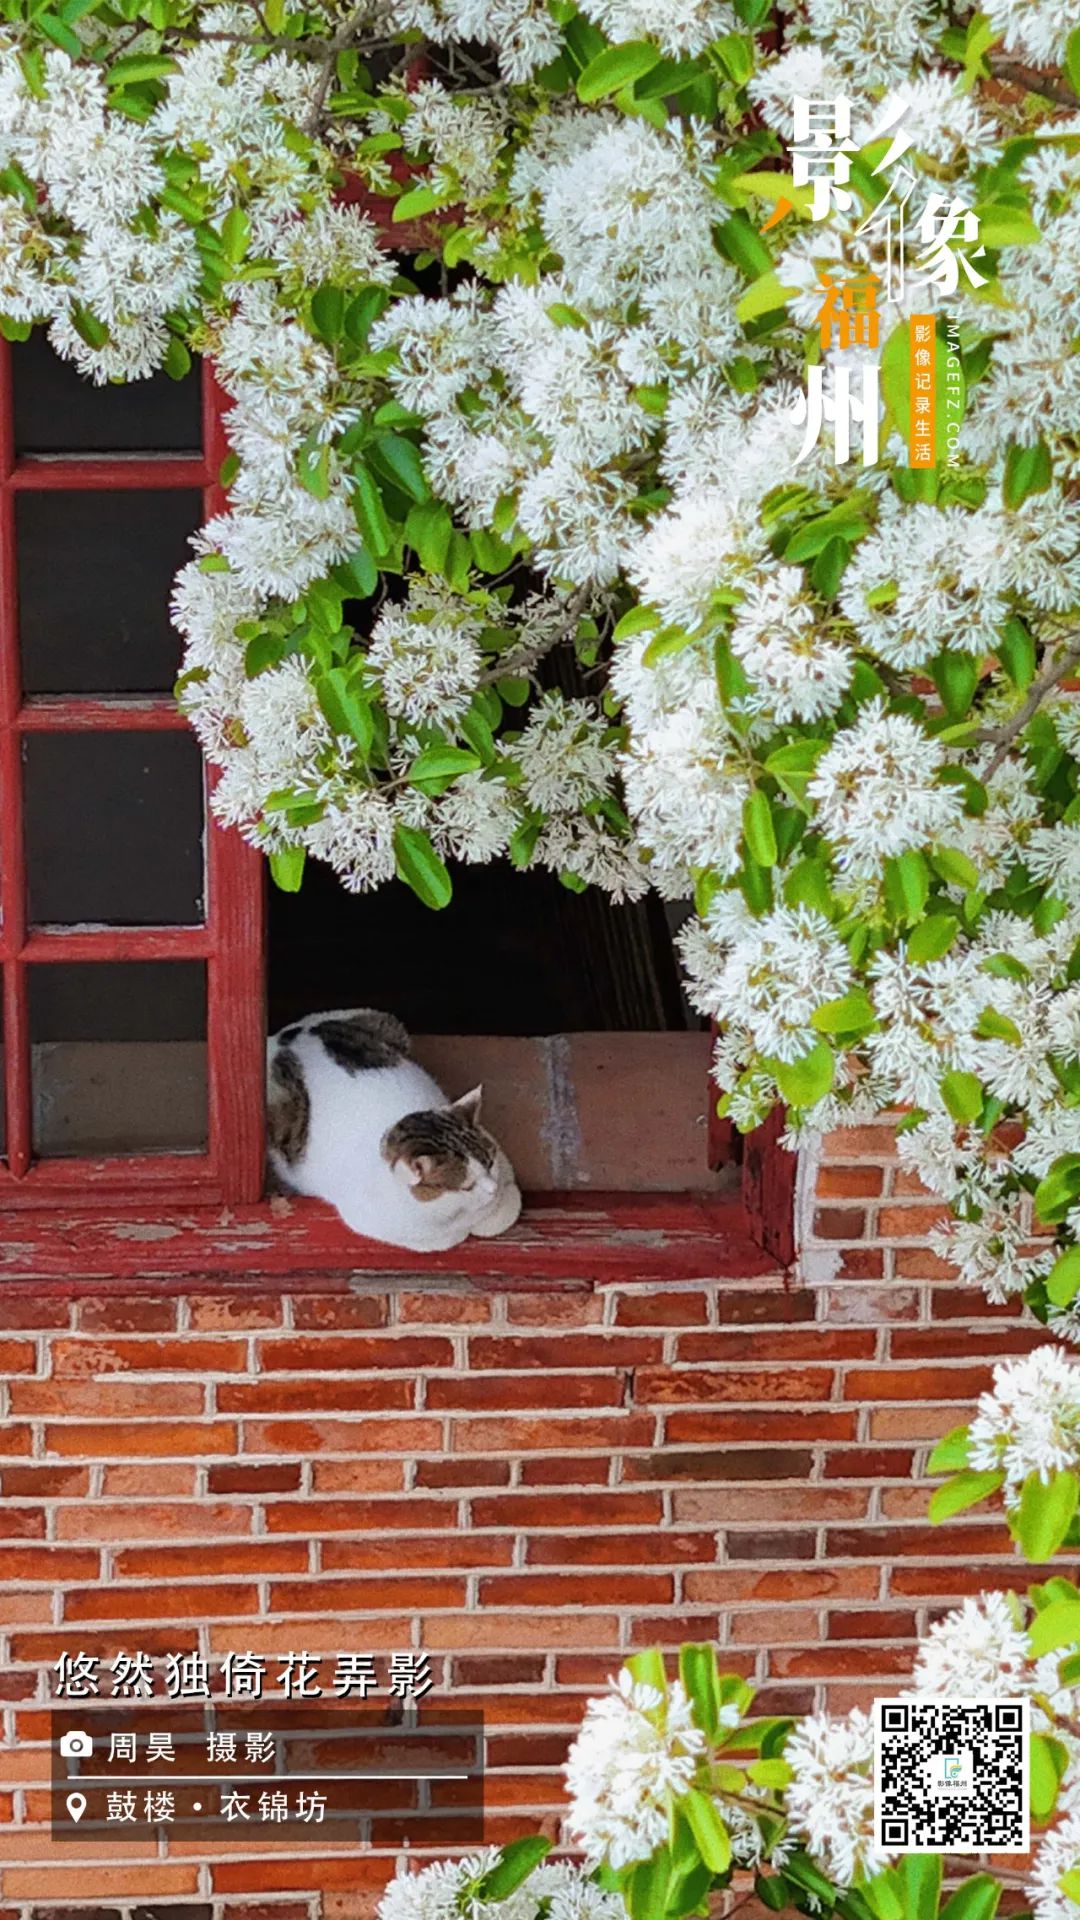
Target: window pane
{"type": "Point", "coordinates": [118, 1056]}
{"type": "Point", "coordinates": [114, 825]}
{"type": "Point", "coordinates": [57, 411]}
{"type": "Point", "coordinates": [95, 573]}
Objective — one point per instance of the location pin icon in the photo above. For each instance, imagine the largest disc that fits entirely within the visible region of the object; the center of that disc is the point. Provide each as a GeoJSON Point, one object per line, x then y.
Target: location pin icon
{"type": "Point", "coordinates": [76, 1805]}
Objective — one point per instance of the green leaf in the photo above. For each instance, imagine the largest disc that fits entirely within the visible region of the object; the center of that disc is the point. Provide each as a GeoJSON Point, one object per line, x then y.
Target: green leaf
{"type": "Point", "coordinates": [637, 620]}
{"type": "Point", "coordinates": [442, 764]}
{"type": "Point", "coordinates": [1044, 1515]}
{"type": "Point", "coordinates": [1070, 1882]}
{"type": "Point", "coordinates": [956, 677]}
{"type": "Point", "coordinates": [427, 532]}
{"type": "Point", "coordinates": [828, 568]}
{"type": "Point", "coordinates": [420, 867]}
{"type": "Point", "coordinates": [949, 387]}
{"type": "Point", "coordinates": [974, 1899]}
{"type": "Point", "coordinates": [328, 311]}
{"type": "Point", "coordinates": [950, 1453]}
{"type": "Point", "coordinates": [851, 1014]}
{"type": "Point", "coordinates": [758, 830]}
{"type": "Point", "coordinates": [646, 1888]}
{"type": "Point", "coordinates": [1016, 651]}
{"type": "Point", "coordinates": [648, 1667]}
{"type": "Point", "coordinates": [358, 574]}
{"type": "Point", "coordinates": [806, 884]}
{"type": "Point", "coordinates": [770, 1773]}
{"type": "Point", "coordinates": [346, 709]}
{"type": "Point", "coordinates": [235, 234]}
{"type": "Point", "coordinates": [1027, 470]}
{"type": "Point", "coordinates": [1057, 1191]}
{"type": "Point", "coordinates": [1049, 1759]}
{"type": "Point", "coordinates": [963, 1490]}
{"type": "Point", "coordinates": [931, 938]}
{"type": "Point", "coordinates": [1058, 1625]}
{"type": "Point", "coordinates": [803, 1082]}
{"type": "Point", "coordinates": [132, 67]}
{"type": "Point", "coordinates": [370, 512]}
{"type": "Point", "coordinates": [1072, 69]}
{"type": "Point", "coordinates": [616, 67]}
{"type": "Point", "coordinates": [418, 201]}
{"type": "Point", "coordinates": [398, 460]}
{"type": "Point", "coordinates": [907, 884]}
{"type": "Point", "coordinates": [954, 867]}
{"type": "Point", "coordinates": [512, 1868]}
{"type": "Point", "coordinates": [177, 360]}
{"type": "Point", "coordinates": [287, 868]}
{"type": "Point", "coordinates": [767, 295]}
{"type": "Point", "coordinates": [697, 1671]}
{"type": "Point", "coordinates": [1063, 1280]}
{"type": "Point", "coordinates": [920, 1880]}
{"type": "Point", "coordinates": [1003, 226]}
{"type": "Point", "coordinates": [792, 767]}
{"type": "Point", "coordinates": [963, 1096]}
{"type": "Point", "coordinates": [708, 1829]}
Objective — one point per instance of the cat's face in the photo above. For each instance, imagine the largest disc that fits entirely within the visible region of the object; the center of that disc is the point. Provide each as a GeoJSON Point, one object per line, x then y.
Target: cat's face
{"type": "Point", "coordinates": [443, 1153]}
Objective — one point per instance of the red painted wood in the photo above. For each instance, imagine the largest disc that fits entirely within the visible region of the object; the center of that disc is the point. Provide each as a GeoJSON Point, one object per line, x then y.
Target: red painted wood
{"type": "Point", "coordinates": [236, 901]}
{"type": "Point", "coordinates": [47, 474]}
{"type": "Point", "coordinates": [768, 1189]}
{"type": "Point", "coordinates": [12, 862]}
{"type": "Point", "coordinates": [603, 1238]}
{"type": "Point", "coordinates": [48, 945]}
{"type": "Point", "coordinates": [168, 1179]}
{"type": "Point", "coordinates": [70, 714]}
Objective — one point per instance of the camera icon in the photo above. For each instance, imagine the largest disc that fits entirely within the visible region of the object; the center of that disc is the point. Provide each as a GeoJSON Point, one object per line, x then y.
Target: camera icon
{"type": "Point", "coordinates": [75, 1745]}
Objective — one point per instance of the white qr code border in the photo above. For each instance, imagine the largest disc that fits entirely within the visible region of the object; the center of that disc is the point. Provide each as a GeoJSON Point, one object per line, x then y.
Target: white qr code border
{"type": "Point", "coordinates": [885, 1823]}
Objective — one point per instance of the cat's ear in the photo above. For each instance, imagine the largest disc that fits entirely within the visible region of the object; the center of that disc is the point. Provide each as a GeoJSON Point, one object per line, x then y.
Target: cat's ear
{"type": "Point", "coordinates": [469, 1105]}
{"type": "Point", "coordinates": [414, 1170]}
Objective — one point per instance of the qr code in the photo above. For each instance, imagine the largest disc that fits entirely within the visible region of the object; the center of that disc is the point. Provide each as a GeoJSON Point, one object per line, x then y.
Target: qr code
{"type": "Point", "coordinates": [951, 1776]}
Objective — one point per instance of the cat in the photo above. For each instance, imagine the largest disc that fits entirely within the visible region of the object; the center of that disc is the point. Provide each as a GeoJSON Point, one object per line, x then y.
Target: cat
{"type": "Point", "coordinates": [353, 1119]}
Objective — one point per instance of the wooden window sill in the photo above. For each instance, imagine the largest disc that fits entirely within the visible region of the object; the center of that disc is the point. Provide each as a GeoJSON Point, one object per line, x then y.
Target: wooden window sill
{"type": "Point", "coordinates": [561, 1239]}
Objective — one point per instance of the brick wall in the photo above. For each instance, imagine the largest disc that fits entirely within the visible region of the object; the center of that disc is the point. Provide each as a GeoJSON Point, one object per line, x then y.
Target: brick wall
{"type": "Point", "coordinates": [526, 1484]}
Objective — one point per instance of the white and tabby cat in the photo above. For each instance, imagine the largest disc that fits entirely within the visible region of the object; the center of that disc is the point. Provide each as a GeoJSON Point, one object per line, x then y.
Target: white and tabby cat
{"type": "Point", "coordinates": [353, 1119]}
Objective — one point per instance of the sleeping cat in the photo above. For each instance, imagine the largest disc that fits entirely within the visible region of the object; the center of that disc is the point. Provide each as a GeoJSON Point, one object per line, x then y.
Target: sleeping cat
{"type": "Point", "coordinates": [354, 1120]}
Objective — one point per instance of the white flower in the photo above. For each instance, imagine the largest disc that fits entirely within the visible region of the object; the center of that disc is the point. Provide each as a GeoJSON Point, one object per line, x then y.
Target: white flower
{"type": "Point", "coordinates": [1058, 1854]}
{"type": "Point", "coordinates": [427, 658]}
{"type": "Point", "coordinates": [877, 791]}
{"type": "Point", "coordinates": [1030, 1421]}
{"type": "Point", "coordinates": [830, 1801]}
{"type": "Point", "coordinates": [636, 1747]}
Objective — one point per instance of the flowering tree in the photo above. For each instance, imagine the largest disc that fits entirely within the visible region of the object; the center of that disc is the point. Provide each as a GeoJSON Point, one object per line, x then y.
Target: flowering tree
{"type": "Point", "coordinates": [673, 1788]}
{"type": "Point", "coordinates": [828, 700]}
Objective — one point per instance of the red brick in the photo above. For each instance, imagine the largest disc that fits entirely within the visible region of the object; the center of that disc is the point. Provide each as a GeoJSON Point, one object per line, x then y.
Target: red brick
{"type": "Point", "coordinates": [530, 1510]}
{"type": "Point", "coordinates": [129, 1481]}
{"type": "Point", "coordinates": [45, 1483]}
{"type": "Point", "coordinates": [340, 1311]}
{"type": "Point", "coordinates": [577, 1590]}
{"type": "Point", "coordinates": [869, 1463]}
{"type": "Point", "coordinates": [358, 1596]}
{"type": "Point", "coordinates": [564, 1470]}
{"type": "Point", "coordinates": [970, 1303]}
{"type": "Point", "coordinates": [374, 1435]}
{"type": "Point", "coordinates": [761, 1424]}
{"type": "Point", "coordinates": [859, 1263]}
{"type": "Point", "coordinates": [507, 1353]}
{"type": "Point", "coordinates": [462, 1473]}
{"type": "Point", "coordinates": [21, 1315]}
{"type": "Point", "coordinates": [234, 1312]}
{"type": "Point", "coordinates": [150, 1313]}
{"type": "Point", "coordinates": [383, 1394]}
{"type": "Point", "coordinates": [577, 1306]}
{"type": "Point", "coordinates": [490, 1392]}
{"type": "Point", "coordinates": [402, 1553]}
{"type": "Point", "coordinates": [870, 1623]}
{"type": "Point", "coordinates": [918, 1263]}
{"type": "Point", "coordinates": [916, 1383]}
{"type": "Point", "coordinates": [859, 1143]}
{"type": "Point", "coordinates": [953, 1580]}
{"type": "Point", "coordinates": [870, 1306]}
{"type": "Point", "coordinates": [481, 1670]}
{"type": "Point", "coordinates": [17, 1356]}
{"type": "Point", "coordinates": [245, 1479]}
{"type": "Point", "coordinates": [964, 1343]}
{"type": "Point", "coordinates": [892, 1543]}
{"type": "Point", "coordinates": [358, 1476]}
{"type": "Point", "coordinates": [184, 1354]}
{"type": "Point", "coordinates": [733, 1463]}
{"type": "Point", "coordinates": [158, 1437]}
{"type": "Point", "coordinates": [550, 1436]}
{"type": "Point", "coordinates": [227, 1557]}
{"type": "Point", "coordinates": [669, 1386]}
{"type": "Point", "coordinates": [174, 1602]}
{"type": "Point", "coordinates": [913, 1422]}
{"type": "Point", "coordinates": [725, 1584]}
{"type": "Point", "coordinates": [768, 1505]}
{"type": "Point", "coordinates": [197, 1520]}
{"type": "Point", "coordinates": [22, 1523]}
{"type": "Point", "coordinates": [910, 1223]}
{"type": "Point", "coordinates": [802, 1662]}
{"type": "Point", "coordinates": [618, 1549]}
{"type": "Point", "coordinates": [849, 1183]}
{"type": "Point", "coordinates": [765, 1545]}
{"type": "Point", "coordinates": [764, 1306]}
{"type": "Point", "coordinates": [765, 1628]}
{"type": "Point", "coordinates": [356, 1516]}
{"type": "Point", "coordinates": [840, 1223]}
{"type": "Point", "coordinates": [672, 1308]}
{"type": "Point", "coordinates": [307, 1352]}
{"type": "Point", "coordinates": [443, 1309]}
{"type": "Point", "coordinates": [48, 1563]}
{"type": "Point", "coordinates": [110, 1399]}
{"type": "Point", "coordinates": [811, 1343]}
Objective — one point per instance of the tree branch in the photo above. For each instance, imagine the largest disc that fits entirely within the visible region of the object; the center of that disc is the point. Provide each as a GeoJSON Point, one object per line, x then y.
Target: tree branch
{"type": "Point", "coordinates": [1041, 80]}
{"type": "Point", "coordinates": [520, 661]}
{"type": "Point", "coordinates": [1001, 738]}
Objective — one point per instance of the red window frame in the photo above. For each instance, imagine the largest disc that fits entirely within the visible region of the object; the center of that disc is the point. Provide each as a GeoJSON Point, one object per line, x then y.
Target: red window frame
{"type": "Point", "coordinates": [230, 941]}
